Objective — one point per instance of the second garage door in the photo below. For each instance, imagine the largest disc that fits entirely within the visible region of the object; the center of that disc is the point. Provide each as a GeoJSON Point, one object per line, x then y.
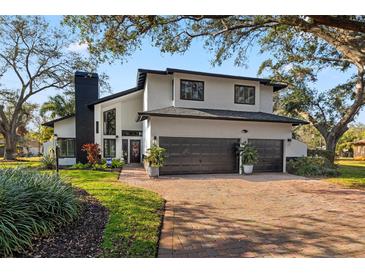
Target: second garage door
{"type": "Point", "coordinates": [270, 154]}
{"type": "Point", "coordinates": [199, 155]}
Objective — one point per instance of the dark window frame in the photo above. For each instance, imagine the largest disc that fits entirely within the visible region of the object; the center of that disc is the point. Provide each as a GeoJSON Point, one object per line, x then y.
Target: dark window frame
{"type": "Point", "coordinates": [247, 86]}
{"type": "Point", "coordinates": [115, 148]}
{"type": "Point", "coordinates": [61, 155]}
{"type": "Point", "coordinates": [105, 129]}
{"type": "Point", "coordinates": [181, 91]}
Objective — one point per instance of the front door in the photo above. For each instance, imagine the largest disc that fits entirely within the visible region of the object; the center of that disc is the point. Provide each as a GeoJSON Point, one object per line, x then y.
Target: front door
{"type": "Point", "coordinates": [135, 151]}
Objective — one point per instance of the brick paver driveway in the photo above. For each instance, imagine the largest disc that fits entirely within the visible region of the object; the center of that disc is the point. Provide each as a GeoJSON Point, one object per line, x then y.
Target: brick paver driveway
{"type": "Point", "coordinates": [264, 215]}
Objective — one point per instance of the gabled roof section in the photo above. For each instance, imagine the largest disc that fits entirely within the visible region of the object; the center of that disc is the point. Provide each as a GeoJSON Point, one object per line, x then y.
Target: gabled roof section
{"type": "Point", "coordinates": [142, 75]}
{"type": "Point", "coordinates": [219, 114]}
{"type": "Point", "coordinates": [115, 95]}
{"type": "Point", "coordinates": [51, 123]}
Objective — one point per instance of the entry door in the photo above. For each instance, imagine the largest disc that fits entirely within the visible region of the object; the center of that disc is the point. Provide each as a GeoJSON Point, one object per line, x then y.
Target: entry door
{"type": "Point", "coordinates": [135, 151]}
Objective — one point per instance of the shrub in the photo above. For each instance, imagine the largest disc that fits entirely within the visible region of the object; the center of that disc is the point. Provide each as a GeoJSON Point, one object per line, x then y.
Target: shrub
{"type": "Point", "coordinates": [48, 161]}
{"type": "Point", "coordinates": [117, 163]}
{"type": "Point", "coordinates": [93, 152]}
{"type": "Point", "coordinates": [312, 166]}
{"type": "Point", "coordinates": [80, 166]}
{"type": "Point", "coordinates": [32, 204]}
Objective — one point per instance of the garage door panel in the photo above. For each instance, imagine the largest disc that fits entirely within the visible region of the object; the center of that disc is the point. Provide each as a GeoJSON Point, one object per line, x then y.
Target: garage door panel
{"type": "Point", "coordinates": [270, 154]}
{"type": "Point", "coordinates": [199, 155]}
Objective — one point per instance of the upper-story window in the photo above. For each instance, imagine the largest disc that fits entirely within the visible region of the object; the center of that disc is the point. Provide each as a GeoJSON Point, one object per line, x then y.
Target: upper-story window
{"type": "Point", "coordinates": [109, 122]}
{"type": "Point", "coordinates": [244, 94]}
{"type": "Point", "coordinates": [192, 90]}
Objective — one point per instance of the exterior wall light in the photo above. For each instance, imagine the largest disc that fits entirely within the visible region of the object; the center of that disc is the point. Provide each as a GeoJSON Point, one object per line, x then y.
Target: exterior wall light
{"type": "Point", "coordinates": [244, 130]}
{"type": "Point", "coordinates": [154, 141]}
{"type": "Point", "coordinates": [289, 140]}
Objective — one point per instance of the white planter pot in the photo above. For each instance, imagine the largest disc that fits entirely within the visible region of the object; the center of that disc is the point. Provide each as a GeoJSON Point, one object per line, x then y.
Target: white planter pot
{"type": "Point", "coordinates": [153, 171]}
{"type": "Point", "coordinates": [247, 169]}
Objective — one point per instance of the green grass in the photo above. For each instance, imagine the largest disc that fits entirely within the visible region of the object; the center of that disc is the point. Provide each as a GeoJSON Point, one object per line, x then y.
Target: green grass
{"type": "Point", "coordinates": [22, 162]}
{"type": "Point", "coordinates": [134, 213]}
{"type": "Point", "coordinates": [352, 173]}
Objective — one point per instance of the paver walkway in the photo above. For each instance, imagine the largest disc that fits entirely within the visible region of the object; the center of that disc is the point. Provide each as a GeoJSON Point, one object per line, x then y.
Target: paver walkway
{"type": "Point", "coordinates": [263, 215]}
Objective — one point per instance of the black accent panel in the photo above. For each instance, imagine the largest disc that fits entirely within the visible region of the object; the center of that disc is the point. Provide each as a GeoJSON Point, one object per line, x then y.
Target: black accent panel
{"type": "Point", "coordinates": [131, 133]}
{"type": "Point", "coordinates": [86, 91]}
{"type": "Point", "coordinates": [270, 154]}
{"type": "Point", "coordinates": [187, 155]}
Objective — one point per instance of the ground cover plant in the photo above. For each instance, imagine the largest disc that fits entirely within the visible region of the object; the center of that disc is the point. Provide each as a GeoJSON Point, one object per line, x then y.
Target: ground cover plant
{"type": "Point", "coordinates": [32, 204]}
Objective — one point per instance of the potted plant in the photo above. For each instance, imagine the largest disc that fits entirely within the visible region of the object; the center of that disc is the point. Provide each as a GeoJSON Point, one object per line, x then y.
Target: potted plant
{"type": "Point", "coordinates": [248, 157]}
{"type": "Point", "coordinates": [155, 158]}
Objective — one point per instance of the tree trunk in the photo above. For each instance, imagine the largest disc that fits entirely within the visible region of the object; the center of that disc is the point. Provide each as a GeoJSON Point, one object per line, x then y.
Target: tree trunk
{"type": "Point", "coordinates": [10, 146]}
{"type": "Point", "coordinates": [331, 143]}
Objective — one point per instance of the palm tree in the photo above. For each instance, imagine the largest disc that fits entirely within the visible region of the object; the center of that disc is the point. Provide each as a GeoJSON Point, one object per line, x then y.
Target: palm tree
{"type": "Point", "coordinates": [59, 105]}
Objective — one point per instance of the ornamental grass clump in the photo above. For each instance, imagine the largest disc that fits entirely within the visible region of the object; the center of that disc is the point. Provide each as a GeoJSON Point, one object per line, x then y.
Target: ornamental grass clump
{"type": "Point", "coordinates": [32, 205]}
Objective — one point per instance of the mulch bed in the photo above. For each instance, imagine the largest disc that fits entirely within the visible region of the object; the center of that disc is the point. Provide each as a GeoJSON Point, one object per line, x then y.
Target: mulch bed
{"type": "Point", "coordinates": [81, 239]}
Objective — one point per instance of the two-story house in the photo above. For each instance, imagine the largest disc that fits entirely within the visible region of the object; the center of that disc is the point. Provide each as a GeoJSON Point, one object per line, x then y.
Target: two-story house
{"type": "Point", "coordinates": [198, 117]}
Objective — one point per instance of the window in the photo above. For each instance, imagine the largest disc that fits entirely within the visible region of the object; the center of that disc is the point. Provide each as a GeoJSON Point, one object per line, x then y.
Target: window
{"type": "Point", "coordinates": [97, 126]}
{"type": "Point", "coordinates": [66, 147]}
{"type": "Point", "coordinates": [109, 148]}
{"type": "Point", "coordinates": [244, 95]}
{"type": "Point", "coordinates": [109, 122]}
{"type": "Point", "coordinates": [192, 90]}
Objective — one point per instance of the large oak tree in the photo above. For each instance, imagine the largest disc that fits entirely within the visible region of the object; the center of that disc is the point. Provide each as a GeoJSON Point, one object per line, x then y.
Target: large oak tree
{"type": "Point", "coordinates": [318, 42]}
{"type": "Point", "coordinates": [34, 57]}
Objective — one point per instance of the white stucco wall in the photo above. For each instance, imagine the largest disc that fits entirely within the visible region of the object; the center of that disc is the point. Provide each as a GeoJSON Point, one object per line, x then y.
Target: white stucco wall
{"type": "Point", "coordinates": [65, 128]}
{"type": "Point", "coordinates": [296, 148]}
{"type": "Point", "coordinates": [266, 99]}
{"type": "Point", "coordinates": [182, 127]}
{"type": "Point", "coordinates": [218, 93]}
{"type": "Point", "coordinates": [158, 92]}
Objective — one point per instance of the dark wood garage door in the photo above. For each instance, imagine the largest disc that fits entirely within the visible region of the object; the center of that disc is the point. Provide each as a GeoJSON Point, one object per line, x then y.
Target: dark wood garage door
{"type": "Point", "coordinates": [270, 154]}
{"type": "Point", "coordinates": [199, 155]}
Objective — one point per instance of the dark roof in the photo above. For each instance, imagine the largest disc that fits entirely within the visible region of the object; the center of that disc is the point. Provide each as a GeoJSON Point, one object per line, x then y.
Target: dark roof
{"type": "Point", "coordinates": [51, 123]}
{"type": "Point", "coordinates": [219, 114]}
{"type": "Point", "coordinates": [142, 74]}
{"type": "Point", "coordinates": [115, 95]}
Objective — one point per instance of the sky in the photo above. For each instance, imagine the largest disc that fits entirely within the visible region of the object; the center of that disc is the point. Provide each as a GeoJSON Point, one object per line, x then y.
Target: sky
{"type": "Point", "coordinates": [123, 76]}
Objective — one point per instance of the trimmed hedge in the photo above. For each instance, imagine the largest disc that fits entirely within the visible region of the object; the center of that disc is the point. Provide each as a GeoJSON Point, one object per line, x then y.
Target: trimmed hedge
{"type": "Point", "coordinates": [32, 205]}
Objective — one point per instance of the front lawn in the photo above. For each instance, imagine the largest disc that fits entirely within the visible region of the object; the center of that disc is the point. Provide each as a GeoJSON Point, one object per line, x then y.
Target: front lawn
{"type": "Point", "coordinates": [352, 173]}
{"type": "Point", "coordinates": [21, 162]}
{"type": "Point", "coordinates": [134, 214]}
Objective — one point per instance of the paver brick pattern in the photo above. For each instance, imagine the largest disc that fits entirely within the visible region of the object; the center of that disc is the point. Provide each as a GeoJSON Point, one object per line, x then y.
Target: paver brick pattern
{"type": "Point", "coordinates": [262, 215]}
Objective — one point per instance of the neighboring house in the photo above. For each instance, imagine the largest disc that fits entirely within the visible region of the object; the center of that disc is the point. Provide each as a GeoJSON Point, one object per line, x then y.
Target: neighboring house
{"type": "Point", "coordinates": [359, 149]}
{"type": "Point", "coordinates": [30, 148]}
{"type": "Point", "coordinates": [198, 117]}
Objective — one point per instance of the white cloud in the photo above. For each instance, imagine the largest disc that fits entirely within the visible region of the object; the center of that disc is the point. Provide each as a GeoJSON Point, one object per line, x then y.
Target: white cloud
{"type": "Point", "coordinates": [77, 47]}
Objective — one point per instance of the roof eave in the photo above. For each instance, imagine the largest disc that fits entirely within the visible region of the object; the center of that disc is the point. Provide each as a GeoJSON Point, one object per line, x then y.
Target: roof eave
{"type": "Point", "coordinates": [143, 116]}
